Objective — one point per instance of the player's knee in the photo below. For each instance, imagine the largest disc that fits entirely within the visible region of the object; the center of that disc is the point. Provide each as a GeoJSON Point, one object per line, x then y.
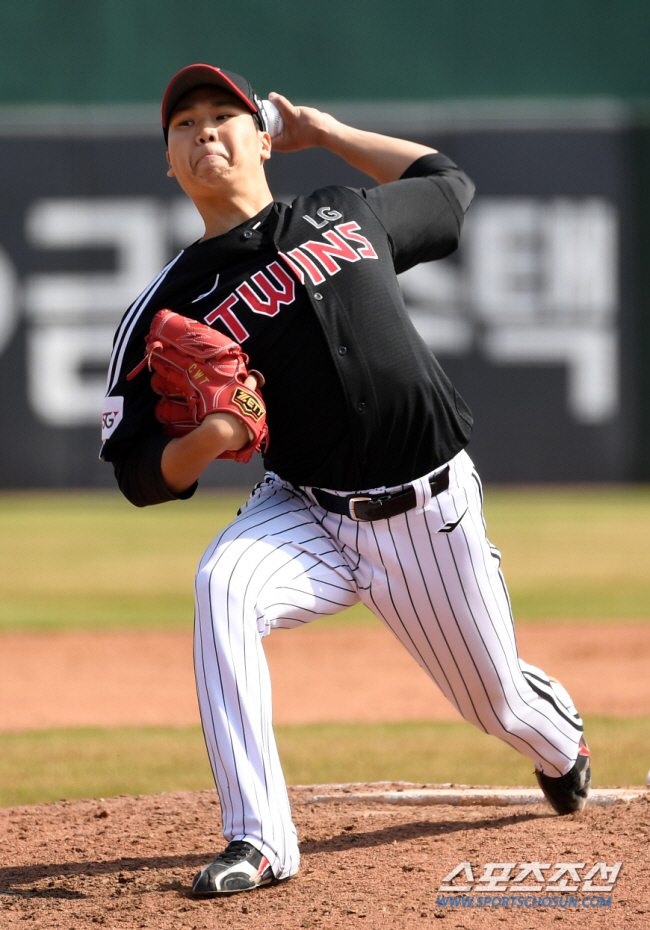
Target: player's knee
{"type": "Point", "coordinates": [209, 587]}
{"type": "Point", "coordinates": [219, 592]}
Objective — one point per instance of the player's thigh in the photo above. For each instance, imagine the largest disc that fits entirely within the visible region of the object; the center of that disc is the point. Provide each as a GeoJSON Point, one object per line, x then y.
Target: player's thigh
{"type": "Point", "coordinates": [275, 562]}
{"type": "Point", "coordinates": [437, 584]}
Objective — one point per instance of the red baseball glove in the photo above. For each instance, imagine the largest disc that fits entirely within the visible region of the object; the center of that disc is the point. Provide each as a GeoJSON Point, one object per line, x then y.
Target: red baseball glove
{"type": "Point", "coordinates": [197, 371]}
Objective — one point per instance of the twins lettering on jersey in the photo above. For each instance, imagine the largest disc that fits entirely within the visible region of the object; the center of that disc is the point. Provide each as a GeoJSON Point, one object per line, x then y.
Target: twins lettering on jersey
{"type": "Point", "coordinates": [314, 259]}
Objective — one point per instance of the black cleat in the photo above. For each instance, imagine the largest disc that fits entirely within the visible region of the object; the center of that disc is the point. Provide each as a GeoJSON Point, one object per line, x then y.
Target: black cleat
{"type": "Point", "coordinates": [568, 793]}
{"type": "Point", "coordinates": [240, 867]}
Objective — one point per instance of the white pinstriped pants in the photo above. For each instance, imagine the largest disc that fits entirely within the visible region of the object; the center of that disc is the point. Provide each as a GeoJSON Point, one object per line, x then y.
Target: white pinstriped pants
{"type": "Point", "coordinates": [430, 575]}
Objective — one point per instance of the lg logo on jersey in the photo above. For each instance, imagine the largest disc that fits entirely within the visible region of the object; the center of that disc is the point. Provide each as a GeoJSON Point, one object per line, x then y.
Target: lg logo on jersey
{"type": "Point", "coordinates": [313, 259]}
{"type": "Point", "coordinates": [326, 215]}
{"type": "Point", "coordinates": [111, 415]}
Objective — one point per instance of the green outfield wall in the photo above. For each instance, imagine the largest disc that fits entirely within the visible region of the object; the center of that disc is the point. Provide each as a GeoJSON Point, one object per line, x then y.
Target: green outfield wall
{"type": "Point", "coordinates": [125, 50]}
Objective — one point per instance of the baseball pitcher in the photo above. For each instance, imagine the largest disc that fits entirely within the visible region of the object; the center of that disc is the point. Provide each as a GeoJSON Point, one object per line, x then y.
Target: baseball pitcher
{"type": "Point", "coordinates": [283, 331]}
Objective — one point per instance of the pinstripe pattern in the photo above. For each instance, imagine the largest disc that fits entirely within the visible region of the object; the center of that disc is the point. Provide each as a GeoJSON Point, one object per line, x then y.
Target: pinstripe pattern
{"type": "Point", "coordinates": [434, 579]}
{"type": "Point", "coordinates": [275, 566]}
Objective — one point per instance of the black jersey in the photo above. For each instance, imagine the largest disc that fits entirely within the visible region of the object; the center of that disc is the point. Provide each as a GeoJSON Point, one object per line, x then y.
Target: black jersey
{"type": "Point", "coordinates": [355, 399]}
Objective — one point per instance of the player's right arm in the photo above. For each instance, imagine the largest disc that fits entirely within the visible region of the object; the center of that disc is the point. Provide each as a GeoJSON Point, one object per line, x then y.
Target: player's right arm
{"type": "Point", "coordinates": [384, 158]}
{"type": "Point", "coordinates": [422, 195]}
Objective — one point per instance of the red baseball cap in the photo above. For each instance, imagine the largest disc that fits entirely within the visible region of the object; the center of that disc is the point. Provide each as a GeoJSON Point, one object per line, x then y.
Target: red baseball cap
{"type": "Point", "coordinates": [196, 75]}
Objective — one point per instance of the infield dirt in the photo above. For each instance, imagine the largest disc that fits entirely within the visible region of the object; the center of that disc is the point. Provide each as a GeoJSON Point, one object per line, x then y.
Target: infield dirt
{"type": "Point", "coordinates": [128, 862]}
{"type": "Point", "coordinates": [145, 678]}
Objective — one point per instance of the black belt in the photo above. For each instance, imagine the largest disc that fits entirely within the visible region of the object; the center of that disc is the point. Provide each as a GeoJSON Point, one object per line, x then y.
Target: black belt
{"type": "Point", "coordinates": [380, 506]}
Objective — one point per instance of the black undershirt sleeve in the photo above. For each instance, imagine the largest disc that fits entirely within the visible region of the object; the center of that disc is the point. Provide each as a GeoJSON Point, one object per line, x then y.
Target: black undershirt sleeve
{"type": "Point", "coordinates": [139, 476]}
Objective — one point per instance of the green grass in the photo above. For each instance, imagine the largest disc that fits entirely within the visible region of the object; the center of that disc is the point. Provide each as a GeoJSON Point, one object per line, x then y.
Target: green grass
{"type": "Point", "coordinates": [574, 553]}
{"type": "Point", "coordinates": [75, 763]}
{"type": "Point", "coordinates": [91, 560]}
{"type": "Point", "coordinates": [49, 765]}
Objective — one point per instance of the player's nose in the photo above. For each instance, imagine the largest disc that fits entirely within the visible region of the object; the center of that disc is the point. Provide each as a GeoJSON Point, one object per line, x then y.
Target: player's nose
{"type": "Point", "coordinates": [206, 133]}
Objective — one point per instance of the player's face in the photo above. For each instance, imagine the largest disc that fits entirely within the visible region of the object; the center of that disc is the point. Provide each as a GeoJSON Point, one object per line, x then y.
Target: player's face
{"type": "Point", "coordinates": [213, 143]}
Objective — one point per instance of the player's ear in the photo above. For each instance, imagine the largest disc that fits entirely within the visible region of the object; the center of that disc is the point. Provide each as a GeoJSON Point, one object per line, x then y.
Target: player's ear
{"type": "Point", "coordinates": [265, 142]}
{"type": "Point", "coordinates": [170, 172]}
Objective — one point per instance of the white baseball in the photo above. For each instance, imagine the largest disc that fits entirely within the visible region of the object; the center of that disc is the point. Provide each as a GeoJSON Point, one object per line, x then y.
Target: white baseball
{"type": "Point", "coordinates": [273, 119]}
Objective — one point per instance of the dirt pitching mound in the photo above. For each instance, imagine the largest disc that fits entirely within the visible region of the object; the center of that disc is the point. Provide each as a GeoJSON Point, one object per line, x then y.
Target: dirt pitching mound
{"type": "Point", "coordinates": [129, 861]}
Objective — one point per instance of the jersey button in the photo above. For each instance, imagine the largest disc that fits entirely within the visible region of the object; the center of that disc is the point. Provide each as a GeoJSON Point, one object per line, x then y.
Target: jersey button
{"type": "Point", "coordinates": [361, 407]}
{"type": "Point", "coordinates": [247, 234]}
{"type": "Point", "coordinates": [318, 296]}
{"type": "Point", "coordinates": [343, 350]}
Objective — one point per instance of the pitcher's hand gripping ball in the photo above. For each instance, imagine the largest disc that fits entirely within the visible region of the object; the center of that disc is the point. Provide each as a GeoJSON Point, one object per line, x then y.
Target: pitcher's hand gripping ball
{"type": "Point", "coordinates": [198, 371]}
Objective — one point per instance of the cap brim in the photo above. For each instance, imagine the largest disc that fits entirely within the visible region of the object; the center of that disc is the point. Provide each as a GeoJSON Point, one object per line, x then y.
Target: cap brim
{"type": "Point", "coordinates": [196, 76]}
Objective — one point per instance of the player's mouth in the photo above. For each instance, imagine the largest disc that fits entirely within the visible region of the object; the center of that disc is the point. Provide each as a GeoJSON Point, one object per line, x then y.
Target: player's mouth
{"type": "Point", "coordinates": [209, 155]}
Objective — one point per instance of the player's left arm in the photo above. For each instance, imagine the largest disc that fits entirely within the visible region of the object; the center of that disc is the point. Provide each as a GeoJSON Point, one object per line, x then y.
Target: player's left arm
{"type": "Point", "coordinates": [185, 458]}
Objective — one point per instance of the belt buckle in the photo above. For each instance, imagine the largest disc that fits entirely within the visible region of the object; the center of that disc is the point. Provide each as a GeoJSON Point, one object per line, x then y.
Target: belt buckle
{"type": "Point", "coordinates": [351, 505]}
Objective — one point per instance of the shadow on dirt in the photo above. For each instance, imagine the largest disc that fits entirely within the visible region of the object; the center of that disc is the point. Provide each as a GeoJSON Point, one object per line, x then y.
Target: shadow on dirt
{"type": "Point", "coordinates": [14, 880]}
{"type": "Point", "coordinates": [31, 874]}
{"type": "Point", "coordinates": [409, 831]}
